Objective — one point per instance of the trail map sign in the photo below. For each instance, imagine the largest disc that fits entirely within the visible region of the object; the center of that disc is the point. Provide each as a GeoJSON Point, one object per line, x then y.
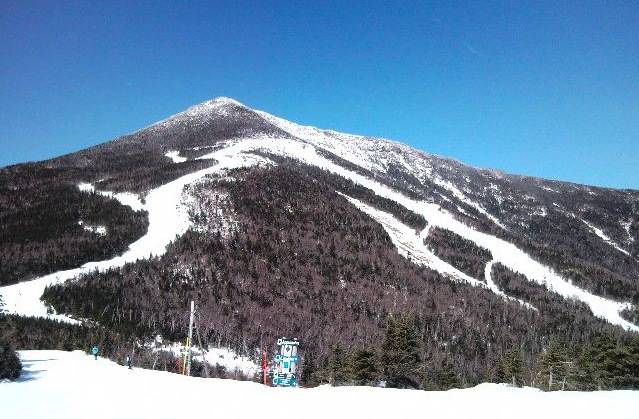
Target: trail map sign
{"type": "Point", "coordinates": [286, 363]}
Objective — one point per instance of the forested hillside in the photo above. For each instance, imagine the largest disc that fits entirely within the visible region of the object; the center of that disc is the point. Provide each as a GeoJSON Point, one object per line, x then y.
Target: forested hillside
{"type": "Point", "coordinates": [391, 265]}
{"type": "Point", "coordinates": [301, 261]}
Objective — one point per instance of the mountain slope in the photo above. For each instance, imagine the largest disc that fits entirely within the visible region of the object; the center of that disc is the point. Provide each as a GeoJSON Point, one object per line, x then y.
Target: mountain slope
{"type": "Point", "coordinates": [199, 174]}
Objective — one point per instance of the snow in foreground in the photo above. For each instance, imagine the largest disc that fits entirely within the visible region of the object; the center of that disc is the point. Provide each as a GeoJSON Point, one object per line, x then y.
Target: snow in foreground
{"type": "Point", "coordinates": [58, 384]}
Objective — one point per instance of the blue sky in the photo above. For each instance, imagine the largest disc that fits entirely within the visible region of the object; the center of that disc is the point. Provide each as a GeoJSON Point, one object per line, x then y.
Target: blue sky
{"type": "Point", "coordinates": [548, 89]}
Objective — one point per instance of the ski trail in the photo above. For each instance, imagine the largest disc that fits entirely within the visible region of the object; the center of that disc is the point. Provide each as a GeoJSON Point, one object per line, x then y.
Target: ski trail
{"type": "Point", "coordinates": [411, 245]}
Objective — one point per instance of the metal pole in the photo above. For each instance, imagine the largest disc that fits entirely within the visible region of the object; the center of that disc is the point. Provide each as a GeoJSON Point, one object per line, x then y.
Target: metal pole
{"type": "Point", "coordinates": [188, 349]}
{"type": "Point", "coordinates": [199, 341]}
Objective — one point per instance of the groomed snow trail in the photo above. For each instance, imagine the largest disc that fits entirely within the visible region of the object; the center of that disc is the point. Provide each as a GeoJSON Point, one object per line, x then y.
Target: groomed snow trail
{"type": "Point", "coordinates": [73, 385]}
{"type": "Point", "coordinates": [494, 288]}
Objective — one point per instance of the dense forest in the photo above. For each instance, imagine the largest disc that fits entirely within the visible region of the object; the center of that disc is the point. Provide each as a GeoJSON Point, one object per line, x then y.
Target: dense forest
{"type": "Point", "coordinates": [41, 211]}
{"type": "Point", "coordinates": [459, 252]}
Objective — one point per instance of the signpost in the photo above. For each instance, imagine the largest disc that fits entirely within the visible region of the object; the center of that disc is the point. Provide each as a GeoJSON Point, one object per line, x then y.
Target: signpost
{"type": "Point", "coordinates": [286, 363]}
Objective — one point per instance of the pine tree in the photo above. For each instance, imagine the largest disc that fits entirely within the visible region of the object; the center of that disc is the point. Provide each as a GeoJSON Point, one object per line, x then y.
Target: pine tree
{"type": "Point", "coordinates": [308, 377]}
{"type": "Point", "coordinates": [509, 369]}
{"type": "Point", "coordinates": [447, 377]}
{"type": "Point", "coordinates": [10, 365]}
{"type": "Point", "coordinates": [365, 367]}
{"type": "Point", "coordinates": [587, 374]}
{"type": "Point", "coordinates": [339, 367]}
{"type": "Point", "coordinates": [400, 354]}
{"type": "Point", "coordinates": [555, 366]}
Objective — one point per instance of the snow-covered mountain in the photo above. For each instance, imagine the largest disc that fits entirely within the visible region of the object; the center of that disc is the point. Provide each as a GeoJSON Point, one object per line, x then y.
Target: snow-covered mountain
{"type": "Point", "coordinates": [220, 193]}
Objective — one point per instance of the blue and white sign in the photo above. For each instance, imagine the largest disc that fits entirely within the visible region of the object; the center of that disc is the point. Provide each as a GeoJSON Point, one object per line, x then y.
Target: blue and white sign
{"type": "Point", "coordinates": [286, 363]}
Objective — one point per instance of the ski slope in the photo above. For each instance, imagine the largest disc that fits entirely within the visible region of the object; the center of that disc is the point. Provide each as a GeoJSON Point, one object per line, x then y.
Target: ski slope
{"type": "Point", "coordinates": [72, 385]}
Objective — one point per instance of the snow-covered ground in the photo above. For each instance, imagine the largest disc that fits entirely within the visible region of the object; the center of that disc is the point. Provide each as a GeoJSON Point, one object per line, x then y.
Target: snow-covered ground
{"type": "Point", "coordinates": [71, 385]}
{"type": "Point", "coordinates": [224, 357]}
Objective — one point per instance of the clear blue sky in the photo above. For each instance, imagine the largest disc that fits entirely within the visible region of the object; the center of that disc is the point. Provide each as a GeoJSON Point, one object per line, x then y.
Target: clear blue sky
{"type": "Point", "coordinates": [546, 89]}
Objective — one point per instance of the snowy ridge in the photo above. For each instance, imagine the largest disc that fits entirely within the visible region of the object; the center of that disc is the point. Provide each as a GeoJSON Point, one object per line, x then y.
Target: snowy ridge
{"type": "Point", "coordinates": [73, 385]}
{"type": "Point", "coordinates": [504, 252]}
{"type": "Point", "coordinates": [197, 114]}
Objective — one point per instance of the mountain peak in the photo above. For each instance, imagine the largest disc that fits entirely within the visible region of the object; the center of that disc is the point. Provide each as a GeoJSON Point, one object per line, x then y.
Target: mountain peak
{"type": "Point", "coordinates": [226, 101]}
{"type": "Point", "coordinates": [214, 105]}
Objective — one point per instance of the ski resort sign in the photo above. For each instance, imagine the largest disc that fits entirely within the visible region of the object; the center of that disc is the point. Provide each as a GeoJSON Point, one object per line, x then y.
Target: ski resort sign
{"type": "Point", "coordinates": [286, 363]}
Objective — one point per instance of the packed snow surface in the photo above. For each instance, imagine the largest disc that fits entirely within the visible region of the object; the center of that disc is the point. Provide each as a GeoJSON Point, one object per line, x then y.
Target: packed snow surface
{"type": "Point", "coordinates": [72, 385]}
{"type": "Point", "coordinates": [125, 198]}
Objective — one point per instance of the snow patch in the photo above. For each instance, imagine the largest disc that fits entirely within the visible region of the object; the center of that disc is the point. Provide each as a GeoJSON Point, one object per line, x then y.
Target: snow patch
{"type": "Point", "coordinates": [100, 230]}
{"type": "Point", "coordinates": [223, 357]}
{"type": "Point", "coordinates": [125, 198]}
{"type": "Point", "coordinates": [626, 225]}
{"type": "Point", "coordinates": [174, 155]}
{"type": "Point", "coordinates": [462, 197]}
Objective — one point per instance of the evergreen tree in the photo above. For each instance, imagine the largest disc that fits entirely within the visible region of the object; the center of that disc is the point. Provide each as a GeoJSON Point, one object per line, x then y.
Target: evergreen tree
{"type": "Point", "coordinates": [509, 369]}
{"type": "Point", "coordinates": [10, 365]}
{"type": "Point", "coordinates": [365, 367]}
{"type": "Point", "coordinates": [446, 376]}
{"type": "Point", "coordinates": [339, 367]}
{"type": "Point", "coordinates": [555, 366]}
{"type": "Point", "coordinates": [309, 370]}
{"type": "Point", "coordinates": [400, 354]}
{"type": "Point", "coordinates": [587, 373]}
{"type": "Point", "coordinates": [617, 365]}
